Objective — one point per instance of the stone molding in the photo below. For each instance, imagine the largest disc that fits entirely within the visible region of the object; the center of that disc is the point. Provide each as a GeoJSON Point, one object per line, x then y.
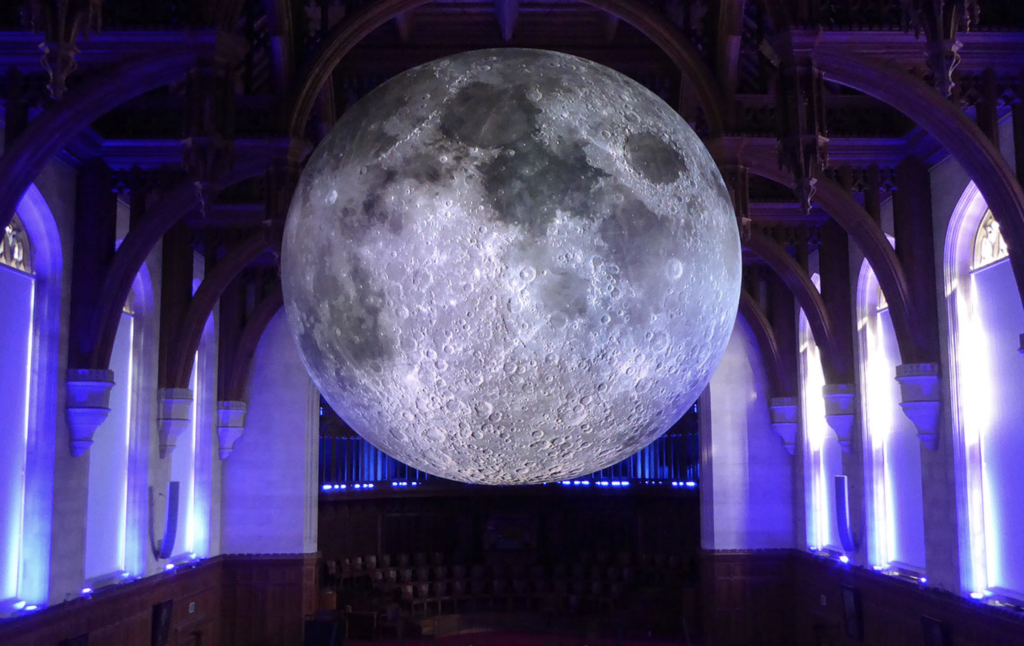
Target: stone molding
{"type": "Point", "coordinates": [784, 413]}
{"type": "Point", "coordinates": [174, 413]}
{"type": "Point", "coordinates": [230, 425]}
{"type": "Point", "coordinates": [88, 405]}
{"type": "Point", "coordinates": [921, 399]}
{"type": "Point", "coordinates": [841, 412]}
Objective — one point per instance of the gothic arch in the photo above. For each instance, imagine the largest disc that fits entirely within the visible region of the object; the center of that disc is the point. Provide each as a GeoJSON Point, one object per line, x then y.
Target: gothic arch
{"type": "Point", "coordinates": [868, 236]}
{"type": "Point", "coordinates": [137, 245]}
{"type": "Point", "coordinates": [762, 329]}
{"type": "Point", "coordinates": [247, 342]}
{"type": "Point", "coordinates": [48, 264]}
{"type": "Point", "coordinates": [202, 304]}
{"type": "Point", "coordinates": [950, 126]}
{"type": "Point", "coordinates": [348, 33]}
{"type": "Point", "coordinates": [52, 130]}
{"type": "Point", "coordinates": [806, 295]}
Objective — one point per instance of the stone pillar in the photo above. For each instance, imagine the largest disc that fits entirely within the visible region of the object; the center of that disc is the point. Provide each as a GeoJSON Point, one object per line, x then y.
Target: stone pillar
{"type": "Point", "coordinates": [919, 381]}
{"type": "Point", "coordinates": [839, 392]}
{"type": "Point", "coordinates": [88, 385]}
{"type": "Point", "coordinates": [175, 294]}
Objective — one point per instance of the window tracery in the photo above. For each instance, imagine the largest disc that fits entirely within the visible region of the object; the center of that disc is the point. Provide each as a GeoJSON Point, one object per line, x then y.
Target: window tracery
{"type": "Point", "coordinates": [15, 247]}
{"type": "Point", "coordinates": [989, 245]}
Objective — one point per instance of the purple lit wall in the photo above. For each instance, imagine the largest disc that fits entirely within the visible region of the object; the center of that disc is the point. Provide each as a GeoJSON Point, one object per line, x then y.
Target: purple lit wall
{"type": "Point", "coordinates": [997, 408]}
{"type": "Point", "coordinates": [270, 480]}
{"type": "Point", "coordinates": [16, 300]}
{"type": "Point", "coordinates": [746, 486]}
{"type": "Point", "coordinates": [108, 466]}
{"type": "Point", "coordinates": [823, 458]}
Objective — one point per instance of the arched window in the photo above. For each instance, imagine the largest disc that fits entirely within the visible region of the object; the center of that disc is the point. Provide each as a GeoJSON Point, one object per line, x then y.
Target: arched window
{"type": "Point", "coordinates": [989, 246]}
{"type": "Point", "coordinates": [893, 475]}
{"type": "Point", "coordinates": [106, 554]}
{"type": "Point", "coordinates": [191, 461]}
{"type": "Point", "coordinates": [17, 302]}
{"type": "Point", "coordinates": [823, 458]}
{"type": "Point", "coordinates": [985, 321]}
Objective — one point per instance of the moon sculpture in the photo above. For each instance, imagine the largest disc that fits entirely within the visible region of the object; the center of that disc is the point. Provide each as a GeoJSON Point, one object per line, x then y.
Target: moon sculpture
{"type": "Point", "coordinates": [511, 267]}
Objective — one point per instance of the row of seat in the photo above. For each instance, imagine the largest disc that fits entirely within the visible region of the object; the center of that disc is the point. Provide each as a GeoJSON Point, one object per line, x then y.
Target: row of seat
{"type": "Point", "coordinates": [424, 574]}
{"type": "Point", "coordinates": [501, 594]}
{"type": "Point", "coordinates": [435, 566]}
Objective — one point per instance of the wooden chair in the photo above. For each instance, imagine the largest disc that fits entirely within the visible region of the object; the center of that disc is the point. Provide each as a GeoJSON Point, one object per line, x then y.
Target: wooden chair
{"type": "Point", "coordinates": [478, 588]}
{"type": "Point", "coordinates": [423, 597]}
{"type": "Point", "coordinates": [442, 596]}
{"type": "Point", "coordinates": [501, 593]}
{"type": "Point", "coordinates": [460, 593]}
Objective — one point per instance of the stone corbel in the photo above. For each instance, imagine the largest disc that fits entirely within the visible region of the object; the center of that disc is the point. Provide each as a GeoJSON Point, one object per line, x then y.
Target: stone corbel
{"type": "Point", "coordinates": [87, 406]}
{"type": "Point", "coordinates": [173, 417]}
{"type": "Point", "coordinates": [230, 425]}
{"type": "Point", "coordinates": [840, 412]}
{"type": "Point", "coordinates": [783, 411]}
{"type": "Point", "coordinates": [921, 399]}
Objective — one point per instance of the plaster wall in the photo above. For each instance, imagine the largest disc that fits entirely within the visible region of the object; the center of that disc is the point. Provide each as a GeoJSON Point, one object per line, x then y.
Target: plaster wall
{"type": "Point", "coordinates": [747, 493]}
{"type": "Point", "coordinates": [269, 487]}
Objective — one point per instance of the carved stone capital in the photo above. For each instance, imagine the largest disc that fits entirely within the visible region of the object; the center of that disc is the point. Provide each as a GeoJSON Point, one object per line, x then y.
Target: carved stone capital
{"type": "Point", "coordinates": [174, 414]}
{"type": "Point", "coordinates": [87, 406]}
{"type": "Point", "coordinates": [921, 399]}
{"type": "Point", "coordinates": [784, 413]}
{"type": "Point", "coordinates": [230, 425]}
{"type": "Point", "coordinates": [841, 412]}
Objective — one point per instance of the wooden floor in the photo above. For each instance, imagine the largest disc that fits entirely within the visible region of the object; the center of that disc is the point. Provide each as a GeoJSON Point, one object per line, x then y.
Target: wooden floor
{"type": "Point", "coordinates": [521, 629]}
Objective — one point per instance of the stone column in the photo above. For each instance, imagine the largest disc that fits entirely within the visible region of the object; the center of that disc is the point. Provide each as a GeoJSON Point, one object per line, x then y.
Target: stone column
{"type": "Point", "coordinates": [839, 393]}
{"type": "Point", "coordinates": [95, 230]}
{"type": "Point", "coordinates": [919, 380]}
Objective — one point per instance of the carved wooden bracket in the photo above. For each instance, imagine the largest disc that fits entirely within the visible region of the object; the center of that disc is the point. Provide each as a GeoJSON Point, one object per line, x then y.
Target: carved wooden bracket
{"type": "Point", "coordinates": [801, 131]}
{"type": "Point", "coordinates": [208, 146]}
{"type": "Point", "coordinates": [940, 21]}
{"type": "Point", "coordinates": [61, 21]}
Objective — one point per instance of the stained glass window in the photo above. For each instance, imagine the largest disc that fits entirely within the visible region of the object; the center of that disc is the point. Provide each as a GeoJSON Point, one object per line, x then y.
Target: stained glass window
{"type": "Point", "coordinates": [15, 247]}
{"type": "Point", "coordinates": [989, 246]}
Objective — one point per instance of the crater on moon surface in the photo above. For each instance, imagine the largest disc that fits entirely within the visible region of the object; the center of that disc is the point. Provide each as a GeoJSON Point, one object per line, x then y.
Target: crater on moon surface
{"type": "Point", "coordinates": [511, 267]}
